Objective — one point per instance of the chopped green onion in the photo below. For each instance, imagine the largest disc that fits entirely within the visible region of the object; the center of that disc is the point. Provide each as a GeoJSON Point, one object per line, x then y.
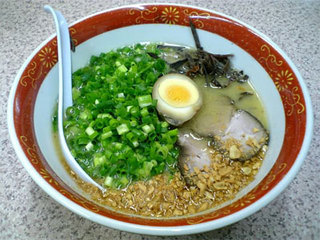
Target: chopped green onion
{"type": "Point", "coordinates": [123, 128]}
{"type": "Point", "coordinates": [104, 115]}
{"type": "Point", "coordinates": [122, 68]}
{"type": "Point", "coordinates": [113, 122]}
{"type": "Point", "coordinates": [135, 143]}
{"type": "Point", "coordinates": [113, 129]}
{"type": "Point", "coordinates": [124, 181]}
{"type": "Point", "coordinates": [75, 93]}
{"type": "Point", "coordinates": [99, 160]}
{"type": "Point", "coordinates": [108, 181]}
{"type": "Point", "coordinates": [91, 133]}
{"type": "Point", "coordinates": [84, 115]}
{"type": "Point", "coordinates": [133, 123]}
{"type": "Point", "coordinates": [173, 132]}
{"type": "Point", "coordinates": [145, 101]}
{"type": "Point", "coordinates": [148, 128]}
{"type": "Point", "coordinates": [118, 145]}
{"type": "Point", "coordinates": [120, 95]}
{"type": "Point", "coordinates": [106, 135]}
{"type": "Point", "coordinates": [164, 124]}
{"type": "Point", "coordinates": [89, 146]}
{"type": "Point", "coordinates": [134, 110]}
{"type": "Point", "coordinates": [128, 108]}
{"type": "Point", "coordinates": [144, 112]}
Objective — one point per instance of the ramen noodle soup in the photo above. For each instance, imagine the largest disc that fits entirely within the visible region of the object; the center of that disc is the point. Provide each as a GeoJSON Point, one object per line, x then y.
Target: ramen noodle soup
{"type": "Point", "coordinates": [168, 130]}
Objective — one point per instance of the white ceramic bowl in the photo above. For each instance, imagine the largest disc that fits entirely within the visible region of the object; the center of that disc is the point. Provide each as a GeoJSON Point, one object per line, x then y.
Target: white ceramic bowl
{"type": "Point", "coordinates": [273, 75]}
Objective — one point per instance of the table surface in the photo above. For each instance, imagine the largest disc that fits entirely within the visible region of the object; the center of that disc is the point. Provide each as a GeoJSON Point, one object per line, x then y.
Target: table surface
{"type": "Point", "coordinates": [27, 212]}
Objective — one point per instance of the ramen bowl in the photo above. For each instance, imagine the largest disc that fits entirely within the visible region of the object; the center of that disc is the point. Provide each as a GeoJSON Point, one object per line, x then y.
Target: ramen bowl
{"type": "Point", "coordinates": [284, 94]}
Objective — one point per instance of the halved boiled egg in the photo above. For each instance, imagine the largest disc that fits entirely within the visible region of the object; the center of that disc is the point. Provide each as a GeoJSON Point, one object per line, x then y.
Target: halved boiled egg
{"type": "Point", "coordinates": [178, 98]}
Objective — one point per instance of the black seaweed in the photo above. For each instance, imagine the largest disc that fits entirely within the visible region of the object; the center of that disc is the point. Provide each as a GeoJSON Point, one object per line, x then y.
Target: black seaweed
{"type": "Point", "coordinates": [244, 94]}
{"type": "Point", "coordinates": [216, 68]}
{"type": "Point", "coordinates": [153, 55]}
{"type": "Point", "coordinates": [178, 64]}
{"type": "Point", "coordinates": [195, 35]}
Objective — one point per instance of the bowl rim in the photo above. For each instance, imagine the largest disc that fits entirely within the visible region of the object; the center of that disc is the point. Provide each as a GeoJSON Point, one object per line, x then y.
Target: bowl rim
{"type": "Point", "coordinates": [167, 230]}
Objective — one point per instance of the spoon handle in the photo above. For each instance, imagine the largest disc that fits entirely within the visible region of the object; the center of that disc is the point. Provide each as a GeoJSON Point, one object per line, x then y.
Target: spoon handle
{"type": "Point", "coordinates": [64, 56]}
{"type": "Point", "coordinates": [65, 90]}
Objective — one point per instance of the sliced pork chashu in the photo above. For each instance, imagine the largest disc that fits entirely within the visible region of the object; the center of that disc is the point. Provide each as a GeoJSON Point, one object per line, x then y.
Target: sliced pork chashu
{"type": "Point", "coordinates": [235, 132]}
{"type": "Point", "coordinates": [243, 137]}
{"type": "Point", "coordinates": [195, 152]}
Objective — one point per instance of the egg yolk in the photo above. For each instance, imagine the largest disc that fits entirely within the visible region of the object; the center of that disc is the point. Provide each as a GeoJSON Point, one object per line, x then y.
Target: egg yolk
{"type": "Point", "coordinates": [178, 95]}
